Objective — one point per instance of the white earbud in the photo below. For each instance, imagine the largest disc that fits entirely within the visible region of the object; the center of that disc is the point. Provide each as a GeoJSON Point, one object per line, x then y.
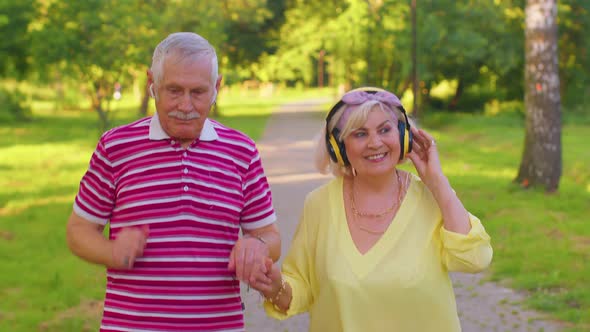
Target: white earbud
{"type": "Point", "coordinates": [214, 97]}
{"type": "Point", "coordinates": [152, 91]}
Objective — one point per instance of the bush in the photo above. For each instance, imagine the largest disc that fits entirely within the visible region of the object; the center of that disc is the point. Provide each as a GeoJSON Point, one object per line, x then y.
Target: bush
{"type": "Point", "coordinates": [496, 107]}
{"type": "Point", "coordinates": [13, 106]}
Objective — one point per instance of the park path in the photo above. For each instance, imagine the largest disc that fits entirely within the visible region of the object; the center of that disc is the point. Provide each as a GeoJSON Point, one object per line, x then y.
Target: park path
{"type": "Point", "coordinates": [287, 155]}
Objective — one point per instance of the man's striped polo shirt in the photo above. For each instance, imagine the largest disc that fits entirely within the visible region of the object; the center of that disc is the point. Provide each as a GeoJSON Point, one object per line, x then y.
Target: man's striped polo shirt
{"type": "Point", "coordinates": [194, 201]}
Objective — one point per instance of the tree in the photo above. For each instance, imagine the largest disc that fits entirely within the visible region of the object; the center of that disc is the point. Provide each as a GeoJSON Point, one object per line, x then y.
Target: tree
{"type": "Point", "coordinates": [95, 42]}
{"type": "Point", "coordinates": [15, 17]}
{"type": "Point", "coordinates": [541, 160]}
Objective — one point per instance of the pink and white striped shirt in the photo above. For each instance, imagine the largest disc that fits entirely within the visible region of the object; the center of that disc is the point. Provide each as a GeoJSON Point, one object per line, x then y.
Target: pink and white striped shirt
{"type": "Point", "coordinates": [194, 201]}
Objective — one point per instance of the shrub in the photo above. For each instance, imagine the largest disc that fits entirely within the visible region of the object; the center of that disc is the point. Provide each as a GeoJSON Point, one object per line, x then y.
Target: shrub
{"type": "Point", "coordinates": [13, 106]}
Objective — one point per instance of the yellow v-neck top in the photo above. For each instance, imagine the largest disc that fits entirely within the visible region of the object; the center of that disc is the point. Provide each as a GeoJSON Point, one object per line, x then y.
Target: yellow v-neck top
{"type": "Point", "coordinates": [400, 284]}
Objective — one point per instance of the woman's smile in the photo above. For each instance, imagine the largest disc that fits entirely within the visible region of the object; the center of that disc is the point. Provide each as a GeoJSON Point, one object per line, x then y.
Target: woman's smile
{"type": "Point", "coordinates": [377, 157]}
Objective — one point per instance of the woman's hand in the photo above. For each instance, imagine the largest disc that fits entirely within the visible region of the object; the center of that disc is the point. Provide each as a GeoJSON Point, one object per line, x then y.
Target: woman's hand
{"type": "Point", "coordinates": [424, 156]}
{"type": "Point", "coordinates": [270, 284]}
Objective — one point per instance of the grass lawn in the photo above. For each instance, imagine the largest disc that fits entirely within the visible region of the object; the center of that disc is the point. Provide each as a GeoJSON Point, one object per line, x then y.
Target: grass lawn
{"type": "Point", "coordinates": [541, 242]}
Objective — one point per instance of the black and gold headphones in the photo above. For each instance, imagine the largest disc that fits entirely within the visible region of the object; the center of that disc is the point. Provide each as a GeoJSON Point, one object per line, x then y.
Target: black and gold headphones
{"type": "Point", "coordinates": [336, 148]}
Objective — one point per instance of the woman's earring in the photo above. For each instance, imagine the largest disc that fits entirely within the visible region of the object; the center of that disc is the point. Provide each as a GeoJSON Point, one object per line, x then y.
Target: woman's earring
{"type": "Point", "coordinates": [353, 171]}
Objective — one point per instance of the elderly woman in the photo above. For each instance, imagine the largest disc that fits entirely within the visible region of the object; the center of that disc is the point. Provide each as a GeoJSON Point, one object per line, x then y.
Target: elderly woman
{"type": "Point", "coordinates": [374, 246]}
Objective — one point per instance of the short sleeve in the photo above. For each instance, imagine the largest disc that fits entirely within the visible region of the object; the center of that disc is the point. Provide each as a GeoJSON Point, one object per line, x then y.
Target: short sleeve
{"type": "Point", "coordinates": [471, 252]}
{"type": "Point", "coordinates": [258, 210]}
{"type": "Point", "coordinates": [96, 195]}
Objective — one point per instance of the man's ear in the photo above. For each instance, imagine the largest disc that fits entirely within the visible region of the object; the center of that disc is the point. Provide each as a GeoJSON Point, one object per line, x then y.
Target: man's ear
{"type": "Point", "coordinates": [150, 77]}
{"type": "Point", "coordinates": [217, 87]}
{"type": "Point", "coordinates": [150, 83]}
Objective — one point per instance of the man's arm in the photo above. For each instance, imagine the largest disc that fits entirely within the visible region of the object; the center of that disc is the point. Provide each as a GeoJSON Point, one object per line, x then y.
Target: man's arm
{"type": "Point", "coordinates": [248, 257]}
{"type": "Point", "coordinates": [86, 240]}
{"type": "Point", "coordinates": [270, 236]}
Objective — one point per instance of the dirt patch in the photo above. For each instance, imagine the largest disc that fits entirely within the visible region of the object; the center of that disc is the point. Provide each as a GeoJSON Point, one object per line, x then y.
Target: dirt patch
{"type": "Point", "coordinates": [469, 137]}
{"type": "Point", "coordinates": [5, 235]}
{"type": "Point", "coordinates": [582, 243]}
{"type": "Point", "coordinates": [555, 234]}
{"type": "Point", "coordinates": [89, 310]}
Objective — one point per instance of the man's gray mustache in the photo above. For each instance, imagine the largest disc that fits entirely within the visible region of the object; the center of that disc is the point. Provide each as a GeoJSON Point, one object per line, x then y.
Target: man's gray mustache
{"type": "Point", "coordinates": [184, 116]}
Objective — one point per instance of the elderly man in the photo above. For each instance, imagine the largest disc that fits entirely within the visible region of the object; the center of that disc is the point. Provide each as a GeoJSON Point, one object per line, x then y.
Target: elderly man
{"type": "Point", "coordinates": [176, 188]}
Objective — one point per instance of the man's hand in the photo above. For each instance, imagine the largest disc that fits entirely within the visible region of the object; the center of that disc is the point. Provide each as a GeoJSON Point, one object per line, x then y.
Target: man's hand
{"type": "Point", "coordinates": [128, 245]}
{"type": "Point", "coordinates": [248, 260]}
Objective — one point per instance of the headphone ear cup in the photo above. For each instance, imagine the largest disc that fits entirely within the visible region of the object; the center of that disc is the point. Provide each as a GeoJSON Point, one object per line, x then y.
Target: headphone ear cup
{"type": "Point", "coordinates": [336, 148]}
{"type": "Point", "coordinates": [410, 140]}
{"type": "Point", "coordinates": [331, 148]}
{"type": "Point", "coordinates": [342, 149]}
{"type": "Point", "coordinates": [401, 127]}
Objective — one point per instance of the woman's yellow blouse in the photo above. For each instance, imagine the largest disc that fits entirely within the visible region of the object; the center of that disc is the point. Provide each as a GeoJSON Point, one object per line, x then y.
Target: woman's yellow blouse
{"type": "Point", "coordinates": [400, 284]}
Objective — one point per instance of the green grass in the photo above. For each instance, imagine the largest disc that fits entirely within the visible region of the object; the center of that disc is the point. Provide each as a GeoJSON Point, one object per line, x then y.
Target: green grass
{"type": "Point", "coordinates": [541, 242]}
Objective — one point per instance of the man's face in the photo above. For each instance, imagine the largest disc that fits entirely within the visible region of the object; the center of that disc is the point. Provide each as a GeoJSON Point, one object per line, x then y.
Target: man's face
{"type": "Point", "coordinates": [185, 95]}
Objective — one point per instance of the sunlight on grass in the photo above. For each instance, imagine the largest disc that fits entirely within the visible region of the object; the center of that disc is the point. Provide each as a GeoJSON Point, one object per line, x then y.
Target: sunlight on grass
{"type": "Point", "coordinates": [457, 169]}
{"type": "Point", "coordinates": [15, 206]}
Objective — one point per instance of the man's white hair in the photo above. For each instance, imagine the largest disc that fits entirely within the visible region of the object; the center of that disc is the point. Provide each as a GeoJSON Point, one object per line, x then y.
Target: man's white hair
{"type": "Point", "coordinates": [183, 45]}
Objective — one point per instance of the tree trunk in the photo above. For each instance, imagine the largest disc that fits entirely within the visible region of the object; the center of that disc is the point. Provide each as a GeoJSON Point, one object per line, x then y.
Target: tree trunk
{"type": "Point", "coordinates": [458, 94]}
{"type": "Point", "coordinates": [97, 96]}
{"type": "Point", "coordinates": [103, 116]}
{"type": "Point", "coordinates": [541, 159]}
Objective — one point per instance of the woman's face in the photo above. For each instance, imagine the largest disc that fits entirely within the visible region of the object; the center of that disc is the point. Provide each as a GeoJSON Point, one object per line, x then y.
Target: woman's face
{"type": "Point", "coordinates": [373, 149]}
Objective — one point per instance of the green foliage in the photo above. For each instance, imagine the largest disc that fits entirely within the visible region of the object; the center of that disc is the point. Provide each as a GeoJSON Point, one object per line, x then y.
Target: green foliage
{"type": "Point", "coordinates": [14, 49]}
{"type": "Point", "coordinates": [496, 107]}
{"type": "Point", "coordinates": [478, 44]}
{"type": "Point", "coordinates": [13, 107]}
{"type": "Point", "coordinates": [574, 62]}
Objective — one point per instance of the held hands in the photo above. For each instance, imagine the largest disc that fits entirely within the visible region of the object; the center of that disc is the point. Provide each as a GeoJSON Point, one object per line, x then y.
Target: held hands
{"type": "Point", "coordinates": [128, 246]}
{"type": "Point", "coordinates": [425, 158]}
{"type": "Point", "coordinates": [248, 260]}
{"type": "Point", "coordinates": [271, 288]}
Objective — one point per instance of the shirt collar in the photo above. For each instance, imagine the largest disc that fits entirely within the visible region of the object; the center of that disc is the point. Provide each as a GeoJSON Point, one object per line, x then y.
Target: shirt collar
{"type": "Point", "coordinates": [208, 132]}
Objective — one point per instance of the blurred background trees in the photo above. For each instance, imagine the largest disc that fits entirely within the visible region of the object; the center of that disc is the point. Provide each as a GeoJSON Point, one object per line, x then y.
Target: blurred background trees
{"type": "Point", "coordinates": [470, 54]}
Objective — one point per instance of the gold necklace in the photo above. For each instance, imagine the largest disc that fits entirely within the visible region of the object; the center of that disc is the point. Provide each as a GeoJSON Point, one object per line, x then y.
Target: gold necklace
{"type": "Point", "coordinates": [403, 187]}
{"type": "Point", "coordinates": [363, 228]}
{"type": "Point", "coordinates": [382, 214]}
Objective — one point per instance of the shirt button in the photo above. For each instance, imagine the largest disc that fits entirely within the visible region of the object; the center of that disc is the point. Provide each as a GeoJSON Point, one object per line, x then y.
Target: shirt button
{"type": "Point", "coordinates": [184, 154]}
{"type": "Point", "coordinates": [185, 171]}
{"type": "Point", "coordinates": [185, 188]}
{"type": "Point", "coordinates": [172, 142]}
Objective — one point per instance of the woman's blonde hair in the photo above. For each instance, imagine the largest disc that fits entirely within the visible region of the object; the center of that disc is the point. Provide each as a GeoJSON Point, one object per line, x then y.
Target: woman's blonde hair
{"type": "Point", "coordinates": [356, 119]}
